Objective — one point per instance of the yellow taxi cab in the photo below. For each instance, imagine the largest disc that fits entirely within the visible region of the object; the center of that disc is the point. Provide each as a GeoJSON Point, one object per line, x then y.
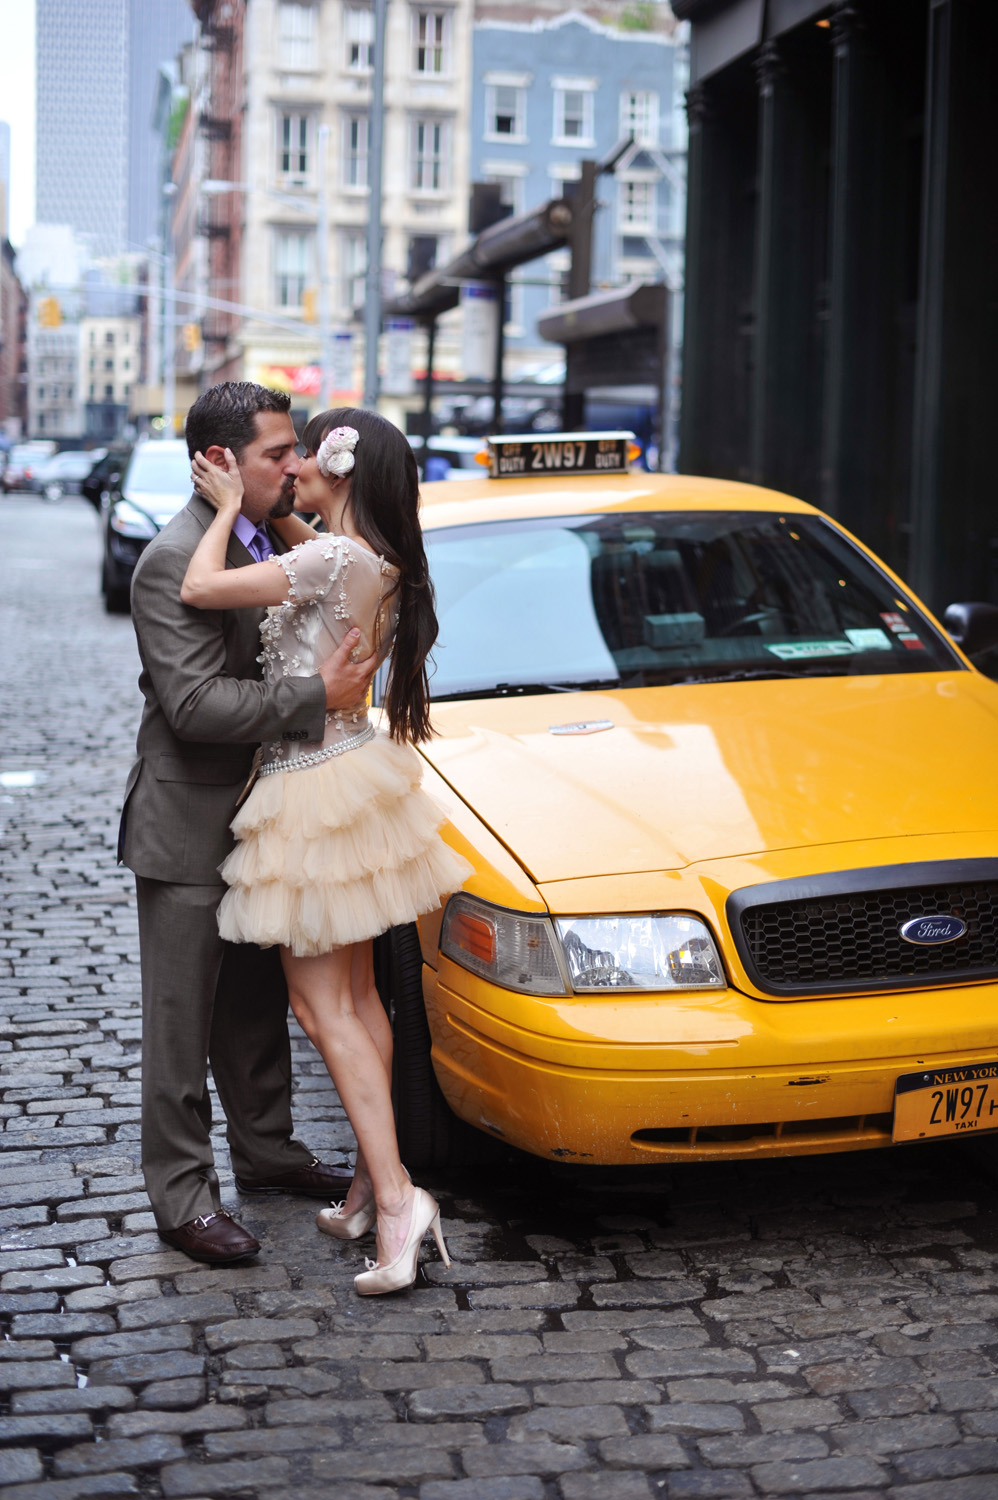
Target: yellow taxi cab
{"type": "Point", "coordinates": [729, 793]}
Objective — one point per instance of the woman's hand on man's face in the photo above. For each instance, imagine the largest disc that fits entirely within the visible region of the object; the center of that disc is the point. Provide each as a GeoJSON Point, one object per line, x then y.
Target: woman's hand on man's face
{"type": "Point", "coordinates": [222, 488]}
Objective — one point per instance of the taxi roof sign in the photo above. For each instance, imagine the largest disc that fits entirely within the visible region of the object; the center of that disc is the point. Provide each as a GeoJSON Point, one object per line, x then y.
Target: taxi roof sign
{"type": "Point", "coordinates": [520, 455]}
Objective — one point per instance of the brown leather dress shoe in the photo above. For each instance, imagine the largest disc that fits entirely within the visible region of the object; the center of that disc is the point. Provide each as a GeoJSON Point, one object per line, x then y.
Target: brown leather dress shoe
{"type": "Point", "coordinates": [313, 1181]}
{"type": "Point", "coordinates": [215, 1238]}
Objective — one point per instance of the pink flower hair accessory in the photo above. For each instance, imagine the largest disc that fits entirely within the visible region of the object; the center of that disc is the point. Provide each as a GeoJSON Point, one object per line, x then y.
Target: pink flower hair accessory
{"type": "Point", "coordinates": [335, 456]}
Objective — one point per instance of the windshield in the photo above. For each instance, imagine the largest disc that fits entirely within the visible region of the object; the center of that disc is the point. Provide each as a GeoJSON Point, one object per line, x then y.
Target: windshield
{"type": "Point", "coordinates": [665, 597]}
{"type": "Point", "coordinates": [158, 470]}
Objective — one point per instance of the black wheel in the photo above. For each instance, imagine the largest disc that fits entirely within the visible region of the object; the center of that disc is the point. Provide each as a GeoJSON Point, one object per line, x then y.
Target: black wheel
{"type": "Point", "coordinates": [429, 1133]}
{"type": "Point", "coordinates": [116, 600]}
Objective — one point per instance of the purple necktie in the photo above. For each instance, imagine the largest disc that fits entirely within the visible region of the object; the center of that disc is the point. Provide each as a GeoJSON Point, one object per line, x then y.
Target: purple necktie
{"type": "Point", "coordinates": [260, 545]}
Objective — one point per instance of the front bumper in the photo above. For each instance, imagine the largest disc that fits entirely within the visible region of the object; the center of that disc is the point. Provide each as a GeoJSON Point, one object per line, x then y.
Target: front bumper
{"type": "Point", "coordinates": [695, 1076]}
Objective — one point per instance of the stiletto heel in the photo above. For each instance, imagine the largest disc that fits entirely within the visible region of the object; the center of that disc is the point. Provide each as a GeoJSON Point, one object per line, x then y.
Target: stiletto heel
{"type": "Point", "coordinates": [341, 1226]}
{"type": "Point", "coordinates": [438, 1235]}
{"type": "Point", "coordinates": [401, 1272]}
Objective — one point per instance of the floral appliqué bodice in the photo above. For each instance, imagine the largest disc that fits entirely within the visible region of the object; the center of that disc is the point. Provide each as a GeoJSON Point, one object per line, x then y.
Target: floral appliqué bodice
{"type": "Point", "coordinates": [335, 584]}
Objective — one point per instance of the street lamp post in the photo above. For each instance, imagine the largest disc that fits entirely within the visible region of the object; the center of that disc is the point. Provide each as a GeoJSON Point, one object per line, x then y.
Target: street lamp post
{"type": "Point", "coordinates": [169, 316]}
{"type": "Point", "coordinates": [372, 280]}
{"type": "Point", "coordinates": [325, 329]}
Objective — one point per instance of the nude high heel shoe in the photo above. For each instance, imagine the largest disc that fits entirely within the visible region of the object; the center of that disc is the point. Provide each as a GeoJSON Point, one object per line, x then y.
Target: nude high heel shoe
{"type": "Point", "coordinates": [401, 1272]}
{"type": "Point", "coordinates": [343, 1226]}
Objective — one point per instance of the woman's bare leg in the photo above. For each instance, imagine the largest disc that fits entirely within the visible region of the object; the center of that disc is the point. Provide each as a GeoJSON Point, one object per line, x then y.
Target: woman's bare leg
{"type": "Point", "coordinates": [367, 1004]}
{"type": "Point", "coordinates": [321, 994]}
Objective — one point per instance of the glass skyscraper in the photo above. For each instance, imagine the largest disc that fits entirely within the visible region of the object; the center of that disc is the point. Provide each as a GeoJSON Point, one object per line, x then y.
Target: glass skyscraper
{"type": "Point", "coordinates": [97, 153]}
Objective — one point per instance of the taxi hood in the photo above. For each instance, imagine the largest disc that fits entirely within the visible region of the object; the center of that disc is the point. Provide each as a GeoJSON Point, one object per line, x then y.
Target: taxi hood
{"type": "Point", "coordinates": [707, 771]}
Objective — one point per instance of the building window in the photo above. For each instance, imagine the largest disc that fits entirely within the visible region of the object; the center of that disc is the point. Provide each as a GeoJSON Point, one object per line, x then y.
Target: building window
{"type": "Point", "coordinates": [93, 389]}
{"type": "Point", "coordinates": [109, 393]}
{"type": "Point", "coordinates": [431, 41]}
{"type": "Point", "coordinates": [638, 207]}
{"type": "Point", "coordinates": [505, 111]}
{"type": "Point", "coordinates": [356, 144]}
{"type": "Point", "coordinates": [360, 38]}
{"type": "Point", "coordinates": [511, 186]}
{"type": "Point", "coordinates": [126, 364]}
{"type": "Point", "coordinates": [294, 149]}
{"type": "Point", "coordinates": [422, 255]}
{"type": "Point", "coordinates": [296, 46]}
{"type": "Point", "coordinates": [292, 261]}
{"type": "Point", "coordinates": [353, 270]}
{"type": "Point", "coordinates": [429, 153]}
{"type": "Point", "coordinates": [109, 364]}
{"type": "Point", "coordinates": [639, 116]}
{"type": "Point", "coordinates": [562, 175]}
{"type": "Point", "coordinates": [109, 337]}
{"type": "Point", "coordinates": [573, 112]}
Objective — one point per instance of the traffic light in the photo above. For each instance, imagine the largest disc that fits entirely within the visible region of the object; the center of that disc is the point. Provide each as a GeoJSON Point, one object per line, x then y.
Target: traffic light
{"type": "Point", "coordinates": [192, 337]}
{"type": "Point", "coordinates": [49, 313]}
{"type": "Point", "coordinates": [309, 305]}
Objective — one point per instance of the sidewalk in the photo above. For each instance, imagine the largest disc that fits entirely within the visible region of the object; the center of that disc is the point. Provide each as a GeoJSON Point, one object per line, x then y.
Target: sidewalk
{"type": "Point", "coordinates": [823, 1328]}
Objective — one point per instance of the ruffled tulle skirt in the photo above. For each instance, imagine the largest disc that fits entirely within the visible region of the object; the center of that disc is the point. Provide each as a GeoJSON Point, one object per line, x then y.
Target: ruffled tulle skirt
{"type": "Point", "coordinates": [336, 853]}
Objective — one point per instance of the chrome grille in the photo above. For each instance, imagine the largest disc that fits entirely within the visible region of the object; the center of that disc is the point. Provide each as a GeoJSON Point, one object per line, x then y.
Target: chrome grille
{"type": "Point", "coordinates": [834, 940]}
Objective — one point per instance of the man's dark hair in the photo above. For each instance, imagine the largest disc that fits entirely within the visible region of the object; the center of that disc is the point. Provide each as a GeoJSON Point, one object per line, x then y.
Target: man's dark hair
{"type": "Point", "coordinates": [226, 415]}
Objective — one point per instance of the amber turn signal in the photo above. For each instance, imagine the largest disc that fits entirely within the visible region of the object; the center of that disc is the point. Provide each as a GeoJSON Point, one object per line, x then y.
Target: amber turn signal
{"type": "Point", "coordinates": [475, 936]}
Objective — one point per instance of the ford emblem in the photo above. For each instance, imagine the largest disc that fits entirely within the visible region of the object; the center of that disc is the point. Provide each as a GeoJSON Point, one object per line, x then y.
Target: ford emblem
{"type": "Point", "coordinates": [926, 931]}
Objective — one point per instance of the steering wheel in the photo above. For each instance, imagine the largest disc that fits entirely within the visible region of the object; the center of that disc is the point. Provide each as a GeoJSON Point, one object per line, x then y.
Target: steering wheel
{"type": "Point", "coordinates": [750, 618]}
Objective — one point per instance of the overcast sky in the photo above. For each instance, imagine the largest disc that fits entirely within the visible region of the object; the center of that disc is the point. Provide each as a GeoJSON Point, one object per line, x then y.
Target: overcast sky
{"type": "Point", "coordinates": [17, 107]}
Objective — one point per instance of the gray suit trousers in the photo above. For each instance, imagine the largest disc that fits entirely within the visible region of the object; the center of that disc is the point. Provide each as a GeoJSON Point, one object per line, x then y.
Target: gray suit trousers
{"type": "Point", "coordinates": [227, 1002]}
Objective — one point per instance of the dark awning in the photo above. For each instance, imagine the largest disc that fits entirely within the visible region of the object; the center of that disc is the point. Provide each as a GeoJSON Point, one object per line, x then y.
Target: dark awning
{"type": "Point", "coordinates": [491, 254]}
{"type": "Point", "coordinates": [644, 305]}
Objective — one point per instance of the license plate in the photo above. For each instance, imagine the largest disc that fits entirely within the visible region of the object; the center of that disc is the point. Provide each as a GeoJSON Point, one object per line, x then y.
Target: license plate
{"type": "Point", "coordinates": [946, 1101]}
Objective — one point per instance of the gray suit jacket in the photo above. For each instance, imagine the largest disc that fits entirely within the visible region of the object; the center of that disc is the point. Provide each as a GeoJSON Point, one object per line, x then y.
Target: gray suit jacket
{"type": "Point", "coordinates": [206, 709]}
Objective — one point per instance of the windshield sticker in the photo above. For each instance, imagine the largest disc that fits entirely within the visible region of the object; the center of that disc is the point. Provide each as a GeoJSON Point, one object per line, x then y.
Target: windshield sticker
{"type": "Point", "coordinates": [894, 622]}
{"type": "Point", "coordinates": [907, 638]}
{"type": "Point", "coordinates": [800, 650]}
{"type": "Point", "coordinates": [869, 640]}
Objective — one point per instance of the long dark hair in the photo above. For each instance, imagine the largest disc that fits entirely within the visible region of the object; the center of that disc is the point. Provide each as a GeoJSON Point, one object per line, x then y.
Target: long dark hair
{"type": "Point", "coordinates": [384, 500]}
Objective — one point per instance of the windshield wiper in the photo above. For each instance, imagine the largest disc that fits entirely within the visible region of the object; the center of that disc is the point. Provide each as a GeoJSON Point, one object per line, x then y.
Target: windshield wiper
{"type": "Point", "coordinates": [759, 675]}
{"type": "Point", "coordinates": [524, 689]}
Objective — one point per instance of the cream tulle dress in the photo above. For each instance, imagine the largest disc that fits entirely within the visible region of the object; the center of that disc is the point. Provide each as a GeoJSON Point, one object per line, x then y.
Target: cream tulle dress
{"type": "Point", "coordinates": [336, 841]}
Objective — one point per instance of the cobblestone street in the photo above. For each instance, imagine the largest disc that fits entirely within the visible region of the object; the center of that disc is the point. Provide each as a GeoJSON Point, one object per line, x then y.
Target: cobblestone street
{"type": "Point", "coordinates": [824, 1327]}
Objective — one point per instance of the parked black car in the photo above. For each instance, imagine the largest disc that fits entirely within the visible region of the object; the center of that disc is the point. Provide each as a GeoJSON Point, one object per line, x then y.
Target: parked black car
{"type": "Point", "coordinates": [156, 484]}
{"type": "Point", "coordinates": [105, 475]}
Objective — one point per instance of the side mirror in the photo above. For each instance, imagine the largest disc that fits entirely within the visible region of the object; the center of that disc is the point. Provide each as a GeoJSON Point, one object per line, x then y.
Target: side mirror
{"type": "Point", "coordinates": [974, 627]}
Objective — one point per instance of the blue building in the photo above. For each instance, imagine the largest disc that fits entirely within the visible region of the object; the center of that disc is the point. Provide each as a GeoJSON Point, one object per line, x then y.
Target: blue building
{"type": "Point", "coordinates": [552, 91]}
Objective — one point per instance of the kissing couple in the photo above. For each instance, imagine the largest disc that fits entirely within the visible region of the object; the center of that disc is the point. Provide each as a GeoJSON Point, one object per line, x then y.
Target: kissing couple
{"type": "Point", "coordinates": [250, 899]}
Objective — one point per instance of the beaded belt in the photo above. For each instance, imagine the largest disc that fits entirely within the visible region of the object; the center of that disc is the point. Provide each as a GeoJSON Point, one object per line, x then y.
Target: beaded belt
{"type": "Point", "coordinates": [319, 755]}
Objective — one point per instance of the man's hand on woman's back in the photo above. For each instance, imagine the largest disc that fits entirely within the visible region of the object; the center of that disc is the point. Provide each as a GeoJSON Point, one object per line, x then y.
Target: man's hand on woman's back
{"type": "Point", "coordinates": [346, 681]}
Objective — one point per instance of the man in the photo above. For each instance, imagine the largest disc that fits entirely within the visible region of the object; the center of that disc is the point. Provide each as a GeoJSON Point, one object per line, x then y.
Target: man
{"type": "Point", "coordinates": [205, 712]}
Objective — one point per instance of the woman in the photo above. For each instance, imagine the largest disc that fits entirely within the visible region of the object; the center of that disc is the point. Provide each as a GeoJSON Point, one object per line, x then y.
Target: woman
{"type": "Point", "coordinates": [335, 842]}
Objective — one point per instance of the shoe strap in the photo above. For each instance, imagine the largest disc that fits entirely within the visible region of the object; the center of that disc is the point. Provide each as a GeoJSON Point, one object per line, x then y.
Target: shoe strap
{"type": "Point", "coordinates": [203, 1220]}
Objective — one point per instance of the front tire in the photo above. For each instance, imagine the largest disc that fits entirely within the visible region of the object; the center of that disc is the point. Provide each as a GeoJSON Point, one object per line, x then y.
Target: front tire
{"type": "Point", "coordinates": [429, 1133]}
{"type": "Point", "coordinates": [117, 601]}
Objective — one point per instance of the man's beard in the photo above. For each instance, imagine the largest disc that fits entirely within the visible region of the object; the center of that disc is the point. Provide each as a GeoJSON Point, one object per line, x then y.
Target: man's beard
{"type": "Point", "coordinates": [284, 504]}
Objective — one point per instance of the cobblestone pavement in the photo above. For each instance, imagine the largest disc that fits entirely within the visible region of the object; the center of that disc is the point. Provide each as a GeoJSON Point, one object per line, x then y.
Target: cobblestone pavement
{"type": "Point", "coordinates": [816, 1328]}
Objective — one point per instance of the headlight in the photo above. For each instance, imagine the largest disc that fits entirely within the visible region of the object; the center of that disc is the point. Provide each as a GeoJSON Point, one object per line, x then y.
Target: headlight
{"type": "Point", "coordinates": [508, 947]}
{"type": "Point", "coordinates": [535, 956]}
{"type": "Point", "coordinates": [127, 520]}
{"type": "Point", "coordinates": [640, 953]}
